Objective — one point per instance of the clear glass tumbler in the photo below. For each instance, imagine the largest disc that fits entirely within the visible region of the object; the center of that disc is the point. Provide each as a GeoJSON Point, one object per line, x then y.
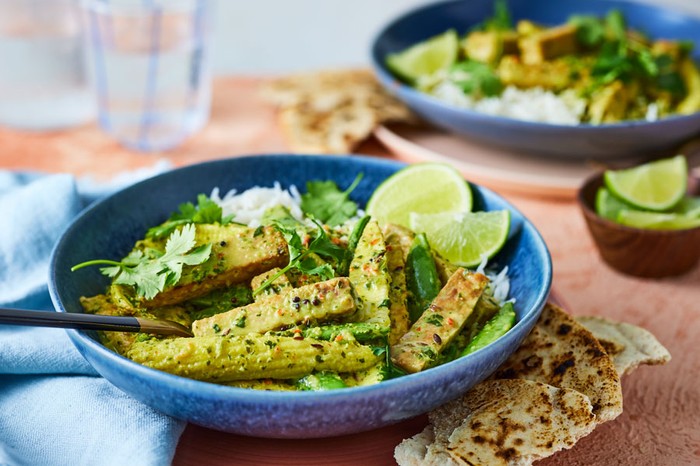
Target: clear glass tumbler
{"type": "Point", "coordinates": [43, 84]}
{"type": "Point", "coordinates": [149, 66]}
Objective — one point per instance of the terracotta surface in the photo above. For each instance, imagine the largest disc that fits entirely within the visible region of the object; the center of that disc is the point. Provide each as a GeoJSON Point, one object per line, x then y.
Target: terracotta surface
{"type": "Point", "coordinates": [661, 421]}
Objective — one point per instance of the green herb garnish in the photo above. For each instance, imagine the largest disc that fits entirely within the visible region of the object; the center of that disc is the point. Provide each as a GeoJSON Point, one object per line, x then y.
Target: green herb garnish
{"type": "Point", "coordinates": [206, 211]}
{"type": "Point", "coordinates": [476, 78]}
{"type": "Point", "coordinates": [328, 204]}
{"type": "Point", "coordinates": [300, 256]}
{"type": "Point", "coordinates": [390, 370]}
{"type": "Point", "coordinates": [152, 272]}
{"type": "Point", "coordinates": [500, 21]}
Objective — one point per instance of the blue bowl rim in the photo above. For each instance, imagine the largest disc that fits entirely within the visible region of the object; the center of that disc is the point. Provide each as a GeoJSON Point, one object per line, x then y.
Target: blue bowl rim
{"type": "Point", "coordinates": [83, 341]}
{"type": "Point", "coordinates": [401, 87]}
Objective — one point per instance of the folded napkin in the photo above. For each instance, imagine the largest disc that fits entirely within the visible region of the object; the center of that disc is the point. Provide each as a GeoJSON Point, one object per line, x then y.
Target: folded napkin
{"type": "Point", "coordinates": [54, 408]}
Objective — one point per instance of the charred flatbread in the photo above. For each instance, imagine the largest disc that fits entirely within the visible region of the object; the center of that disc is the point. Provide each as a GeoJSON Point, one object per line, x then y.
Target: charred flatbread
{"type": "Point", "coordinates": [501, 423]}
{"type": "Point", "coordinates": [332, 111]}
{"type": "Point", "coordinates": [628, 345]}
{"type": "Point", "coordinates": [561, 352]}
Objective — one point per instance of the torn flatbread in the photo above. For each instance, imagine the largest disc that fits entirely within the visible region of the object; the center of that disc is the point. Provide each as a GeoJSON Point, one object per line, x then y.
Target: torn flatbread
{"type": "Point", "coordinates": [628, 345]}
{"type": "Point", "coordinates": [332, 111]}
{"type": "Point", "coordinates": [561, 352]}
{"type": "Point", "coordinates": [501, 423]}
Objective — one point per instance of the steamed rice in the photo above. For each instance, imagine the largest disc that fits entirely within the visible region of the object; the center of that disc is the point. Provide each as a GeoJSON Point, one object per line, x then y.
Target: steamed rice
{"type": "Point", "coordinates": [534, 104]}
{"type": "Point", "coordinates": [249, 206]}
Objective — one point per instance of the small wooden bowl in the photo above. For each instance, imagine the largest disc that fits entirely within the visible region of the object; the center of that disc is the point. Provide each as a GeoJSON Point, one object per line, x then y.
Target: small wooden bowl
{"type": "Point", "coordinates": [636, 251]}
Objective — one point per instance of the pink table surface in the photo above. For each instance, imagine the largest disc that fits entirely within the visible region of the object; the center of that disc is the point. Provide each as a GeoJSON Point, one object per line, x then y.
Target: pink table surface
{"type": "Point", "coordinates": [661, 420]}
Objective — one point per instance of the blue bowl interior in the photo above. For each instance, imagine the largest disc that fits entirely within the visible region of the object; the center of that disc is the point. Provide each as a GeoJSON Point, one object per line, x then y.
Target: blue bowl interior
{"type": "Point", "coordinates": [581, 141]}
{"type": "Point", "coordinates": [109, 228]}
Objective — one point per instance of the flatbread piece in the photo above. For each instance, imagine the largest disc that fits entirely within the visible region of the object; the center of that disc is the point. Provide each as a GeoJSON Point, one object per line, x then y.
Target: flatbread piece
{"type": "Point", "coordinates": [628, 345]}
{"type": "Point", "coordinates": [561, 352]}
{"type": "Point", "coordinates": [332, 111]}
{"type": "Point", "coordinates": [501, 423]}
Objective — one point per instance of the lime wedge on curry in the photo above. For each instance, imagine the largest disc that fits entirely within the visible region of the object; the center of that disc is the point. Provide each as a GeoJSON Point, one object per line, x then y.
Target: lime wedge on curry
{"type": "Point", "coordinates": [464, 238]}
{"type": "Point", "coordinates": [656, 186]}
{"type": "Point", "coordinates": [422, 188]}
{"type": "Point", "coordinates": [425, 58]}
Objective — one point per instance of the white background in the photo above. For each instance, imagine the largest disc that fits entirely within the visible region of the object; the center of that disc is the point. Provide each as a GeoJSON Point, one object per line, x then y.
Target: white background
{"type": "Point", "coordinates": [277, 36]}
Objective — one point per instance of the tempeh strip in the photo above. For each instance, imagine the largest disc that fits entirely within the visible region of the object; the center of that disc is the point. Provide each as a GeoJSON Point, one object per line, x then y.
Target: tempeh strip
{"type": "Point", "coordinates": [225, 359]}
{"type": "Point", "coordinates": [279, 286]}
{"type": "Point", "coordinates": [238, 253]}
{"type": "Point", "coordinates": [310, 303]}
{"type": "Point", "coordinates": [420, 347]}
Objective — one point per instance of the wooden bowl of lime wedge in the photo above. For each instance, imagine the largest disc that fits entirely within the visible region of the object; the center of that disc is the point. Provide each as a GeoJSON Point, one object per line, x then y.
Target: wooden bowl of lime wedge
{"type": "Point", "coordinates": [643, 220]}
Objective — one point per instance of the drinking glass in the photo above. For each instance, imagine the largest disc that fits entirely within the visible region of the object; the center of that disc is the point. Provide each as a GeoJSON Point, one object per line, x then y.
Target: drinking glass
{"type": "Point", "coordinates": [149, 67]}
{"type": "Point", "coordinates": [42, 78]}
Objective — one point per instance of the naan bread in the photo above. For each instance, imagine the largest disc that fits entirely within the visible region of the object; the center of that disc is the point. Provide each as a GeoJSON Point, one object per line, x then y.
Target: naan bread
{"type": "Point", "coordinates": [628, 345]}
{"type": "Point", "coordinates": [501, 423]}
{"type": "Point", "coordinates": [332, 111]}
{"type": "Point", "coordinates": [561, 352]}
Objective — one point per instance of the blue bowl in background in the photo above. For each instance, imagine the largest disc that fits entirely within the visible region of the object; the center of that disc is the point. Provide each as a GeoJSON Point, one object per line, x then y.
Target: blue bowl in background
{"type": "Point", "coordinates": [109, 228]}
{"type": "Point", "coordinates": [578, 142]}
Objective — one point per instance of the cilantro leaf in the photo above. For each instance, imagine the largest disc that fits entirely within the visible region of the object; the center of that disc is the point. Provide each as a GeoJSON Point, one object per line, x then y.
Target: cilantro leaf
{"type": "Point", "coordinates": [590, 31]}
{"type": "Point", "coordinates": [151, 273]}
{"type": "Point", "coordinates": [475, 78]}
{"type": "Point", "coordinates": [325, 202]}
{"type": "Point", "coordinates": [206, 211]}
{"type": "Point", "coordinates": [500, 21]}
{"type": "Point", "coordinates": [299, 256]}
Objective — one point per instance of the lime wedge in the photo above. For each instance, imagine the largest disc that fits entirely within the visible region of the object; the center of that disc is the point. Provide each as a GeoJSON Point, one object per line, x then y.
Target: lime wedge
{"type": "Point", "coordinates": [425, 58]}
{"type": "Point", "coordinates": [464, 238]}
{"type": "Point", "coordinates": [656, 220]}
{"type": "Point", "coordinates": [422, 188]}
{"type": "Point", "coordinates": [609, 206]}
{"type": "Point", "coordinates": [654, 186]}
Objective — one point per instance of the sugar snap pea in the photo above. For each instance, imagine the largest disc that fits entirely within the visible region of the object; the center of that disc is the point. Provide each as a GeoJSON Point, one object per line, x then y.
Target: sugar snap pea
{"type": "Point", "coordinates": [422, 279]}
{"type": "Point", "coordinates": [494, 328]}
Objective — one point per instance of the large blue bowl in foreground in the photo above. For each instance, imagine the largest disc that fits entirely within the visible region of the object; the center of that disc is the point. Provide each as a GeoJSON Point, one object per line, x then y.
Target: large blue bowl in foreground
{"type": "Point", "coordinates": [109, 228]}
{"type": "Point", "coordinates": [584, 141]}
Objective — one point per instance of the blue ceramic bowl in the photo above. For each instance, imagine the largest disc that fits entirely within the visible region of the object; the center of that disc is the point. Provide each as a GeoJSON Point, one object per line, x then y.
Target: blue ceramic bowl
{"type": "Point", "coordinates": [582, 141]}
{"type": "Point", "coordinates": [110, 227]}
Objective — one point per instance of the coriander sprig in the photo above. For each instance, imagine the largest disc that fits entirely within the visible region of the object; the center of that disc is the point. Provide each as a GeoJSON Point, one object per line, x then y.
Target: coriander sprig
{"type": "Point", "coordinates": [300, 256]}
{"type": "Point", "coordinates": [206, 211]}
{"type": "Point", "coordinates": [151, 273]}
{"type": "Point", "coordinates": [328, 204]}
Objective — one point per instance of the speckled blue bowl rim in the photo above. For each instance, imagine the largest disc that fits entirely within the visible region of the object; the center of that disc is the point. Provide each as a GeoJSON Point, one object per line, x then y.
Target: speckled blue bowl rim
{"type": "Point", "coordinates": [86, 344]}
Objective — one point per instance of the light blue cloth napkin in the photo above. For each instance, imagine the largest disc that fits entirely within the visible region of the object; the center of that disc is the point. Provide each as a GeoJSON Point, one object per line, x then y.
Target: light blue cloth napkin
{"type": "Point", "coordinates": [54, 408]}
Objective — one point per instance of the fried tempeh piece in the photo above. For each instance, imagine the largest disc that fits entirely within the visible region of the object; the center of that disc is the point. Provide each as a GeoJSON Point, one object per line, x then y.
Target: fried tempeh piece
{"type": "Point", "coordinates": [489, 46]}
{"type": "Point", "coordinates": [548, 43]}
{"type": "Point", "coordinates": [279, 286]}
{"type": "Point", "coordinates": [225, 359]}
{"type": "Point", "coordinates": [238, 253]}
{"type": "Point", "coordinates": [441, 322]}
{"type": "Point", "coordinates": [315, 302]}
{"type": "Point", "coordinates": [396, 262]}
{"type": "Point", "coordinates": [555, 74]}
{"type": "Point", "coordinates": [370, 278]}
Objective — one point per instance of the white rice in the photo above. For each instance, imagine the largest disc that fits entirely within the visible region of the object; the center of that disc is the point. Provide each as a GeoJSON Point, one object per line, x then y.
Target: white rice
{"type": "Point", "coordinates": [250, 206]}
{"type": "Point", "coordinates": [534, 104]}
{"type": "Point", "coordinates": [499, 282]}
